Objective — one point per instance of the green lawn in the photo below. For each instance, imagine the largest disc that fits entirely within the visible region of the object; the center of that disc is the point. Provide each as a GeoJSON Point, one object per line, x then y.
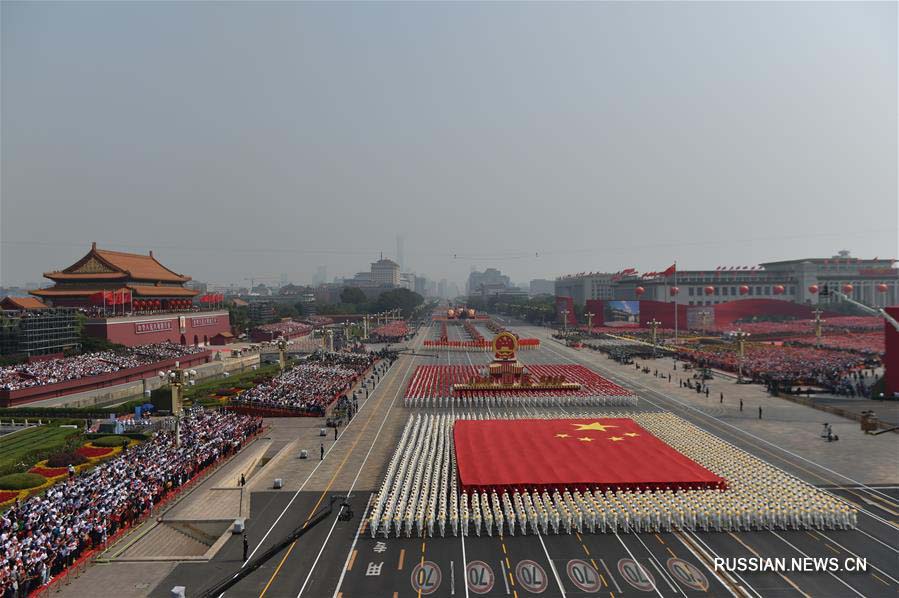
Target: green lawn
{"type": "Point", "coordinates": [19, 446]}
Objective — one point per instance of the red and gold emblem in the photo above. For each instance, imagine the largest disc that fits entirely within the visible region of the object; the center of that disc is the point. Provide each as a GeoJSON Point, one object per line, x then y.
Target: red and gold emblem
{"type": "Point", "coordinates": [505, 346]}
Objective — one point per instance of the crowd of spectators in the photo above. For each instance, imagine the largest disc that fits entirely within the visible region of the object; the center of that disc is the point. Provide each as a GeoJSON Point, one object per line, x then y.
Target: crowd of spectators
{"type": "Point", "coordinates": [51, 371]}
{"type": "Point", "coordinates": [779, 366]}
{"type": "Point", "coordinates": [866, 343]}
{"type": "Point", "coordinates": [312, 385]}
{"type": "Point", "coordinates": [392, 330]}
{"type": "Point", "coordinates": [42, 536]}
{"type": "Point", "coordinates": [854, 323]}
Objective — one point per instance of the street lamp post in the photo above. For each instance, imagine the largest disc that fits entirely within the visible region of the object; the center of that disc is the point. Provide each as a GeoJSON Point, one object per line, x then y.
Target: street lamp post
{"type": "Point", "coordinates": [741, 337]}
{"type": "Point", "coordinates": [818, 326]}
{"type": "Point", "coordinates": [176, 379]}
{"type": "Point", "coordinates": [654, 324]}
{"type": "Point", "coordinates": [589, 321]}
{"type": "Point", "coordinates": [564, 313]}
{"type": "Point", "coordinates": [282, 352]}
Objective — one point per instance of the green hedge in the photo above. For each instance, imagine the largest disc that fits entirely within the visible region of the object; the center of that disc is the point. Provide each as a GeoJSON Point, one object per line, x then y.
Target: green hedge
{"type": "Point", "coordinates": [79, 413]}
{"type": "Point", "coordinates": [65, 458]}
{"type": "Point", "coordinates": [140, 436]}
{"type": "Point", "coordinates": [21, 481]}
{"type": "Point", "coordinates": [21, 450]}
{"type": "Point", "coordinates": [111, 441]}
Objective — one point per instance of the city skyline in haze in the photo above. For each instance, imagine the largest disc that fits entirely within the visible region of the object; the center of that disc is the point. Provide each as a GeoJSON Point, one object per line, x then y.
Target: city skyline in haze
{"type": "Point", "coordinates": [540, 139]}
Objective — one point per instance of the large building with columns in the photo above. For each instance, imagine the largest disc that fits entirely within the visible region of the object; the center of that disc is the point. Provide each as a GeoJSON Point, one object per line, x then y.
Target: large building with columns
{"type": "Point", "coordinates": [874, 282]}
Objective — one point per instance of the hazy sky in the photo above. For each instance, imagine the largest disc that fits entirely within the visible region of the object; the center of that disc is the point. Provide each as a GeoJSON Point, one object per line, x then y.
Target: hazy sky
{"type": "Point", "coordinates": [544, 138]}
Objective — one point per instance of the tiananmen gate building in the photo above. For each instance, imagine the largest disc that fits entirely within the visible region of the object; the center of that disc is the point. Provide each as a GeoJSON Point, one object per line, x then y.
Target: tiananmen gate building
{"type": "Point", "coordinates": [133, 300]}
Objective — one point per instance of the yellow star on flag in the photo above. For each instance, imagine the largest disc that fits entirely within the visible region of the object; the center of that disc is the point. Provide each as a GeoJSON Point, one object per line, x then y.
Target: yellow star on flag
{"type": "Point", "coordinates": [585, 439]}
{"type": "Point", "coordinates": [562, 436]}
{"type": "Point", "coordinates": [600, 427]}
{"type": "Point", "coordinates": [615, 438]}
{"type": "Point", "coordinates": [631, 434]}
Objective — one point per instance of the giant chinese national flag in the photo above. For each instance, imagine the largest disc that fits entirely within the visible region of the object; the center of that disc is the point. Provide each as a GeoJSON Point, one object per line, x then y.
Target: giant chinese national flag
{"type": "Point", "coordinates": [613, 453]}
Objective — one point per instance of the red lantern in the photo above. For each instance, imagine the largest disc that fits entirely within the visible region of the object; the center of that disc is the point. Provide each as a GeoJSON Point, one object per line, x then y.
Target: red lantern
{"type": "Point", "coordinates": [674, 291]}
{"type": "Point", "coordinates": [882, 288]}
{"type": "Point", "coordinates": [813, 289]}
{"type": "Point", "coordinates": [639, 291]}
{"type": "Point", "coordinates": [847, 288]}
{"type": "Point", "coordinates": [778, 289]}
{"type": "Point", "coordinates": [709, 290]}
{"type": "Point", "coordinates": [744, 289]}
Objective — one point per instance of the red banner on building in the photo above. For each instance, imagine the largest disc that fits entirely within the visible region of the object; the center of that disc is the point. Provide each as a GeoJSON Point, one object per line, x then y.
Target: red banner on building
{"type": "Point", "coordinates": [154, 326]}
{"type": "Point", "coordinates": [206, 321]}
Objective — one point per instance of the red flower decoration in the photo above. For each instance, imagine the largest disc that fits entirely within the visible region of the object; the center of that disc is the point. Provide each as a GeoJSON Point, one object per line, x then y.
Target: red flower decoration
{"type": "Point", "coordinates": [49, 472]}
{"type": "Point", "coordinates": [93, 451]}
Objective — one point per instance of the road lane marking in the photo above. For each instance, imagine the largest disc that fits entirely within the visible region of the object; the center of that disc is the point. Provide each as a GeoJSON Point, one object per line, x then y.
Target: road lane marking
{"type": "Point", "coordinates": [655, 563]}
{"type": "Point", "coordinates": [551, 564]}
{"type": "Point", "coordinates": [505, 579]}
{"type": "Point", "coordinates": [399, 566]}
{"type": "Point", "coordinates": [349, 566]}
{"type": "Point", "coordinates": [703, 555]}
{"type": "Point", "coordinates": [633, 558]}
{"type": "Point", "coordinates": [612, 577]}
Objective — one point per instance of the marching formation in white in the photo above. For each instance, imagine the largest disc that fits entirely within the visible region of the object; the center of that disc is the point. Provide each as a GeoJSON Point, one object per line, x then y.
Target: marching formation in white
{"type": "Point", "coordinates": [495, 400]}
{"type": "Point", "coordinates": [419, 494]}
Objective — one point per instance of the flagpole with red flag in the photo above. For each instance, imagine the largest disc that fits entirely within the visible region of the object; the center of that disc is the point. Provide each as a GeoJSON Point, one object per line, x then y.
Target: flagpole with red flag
{"type": "Point", "coordinates": [675, 304]}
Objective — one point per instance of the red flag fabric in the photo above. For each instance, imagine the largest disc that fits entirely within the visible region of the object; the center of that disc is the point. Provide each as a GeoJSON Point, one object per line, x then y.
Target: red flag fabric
{"type": "Point", "coordinates": [669, 270]}
{"type": "Point", "coordinates": [605, 453]}
{"type": "Point", "coordinates": [97, 298]}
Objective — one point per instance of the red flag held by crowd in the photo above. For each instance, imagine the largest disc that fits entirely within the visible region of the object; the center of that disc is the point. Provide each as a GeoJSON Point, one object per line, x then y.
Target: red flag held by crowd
{"type": "Point", "coordinates": [571, 453]}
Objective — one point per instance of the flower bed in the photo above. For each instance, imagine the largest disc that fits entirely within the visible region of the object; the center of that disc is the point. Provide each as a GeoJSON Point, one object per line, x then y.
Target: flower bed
{"type": "Point", "coordinates": [7, 496]}
{"type": "Point", "coordinates": [49, 472]}
{"type": "Point", "coordinates": [93, 452]}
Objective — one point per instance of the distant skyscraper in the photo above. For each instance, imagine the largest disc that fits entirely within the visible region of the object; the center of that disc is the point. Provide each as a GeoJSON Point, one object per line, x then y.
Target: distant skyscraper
{"type": "Point", "coordinates": [401, 251]}
{"type": "Point", "coordinates": [385, 272]}
{"type": "Point", "coordinates": [321, 275]}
